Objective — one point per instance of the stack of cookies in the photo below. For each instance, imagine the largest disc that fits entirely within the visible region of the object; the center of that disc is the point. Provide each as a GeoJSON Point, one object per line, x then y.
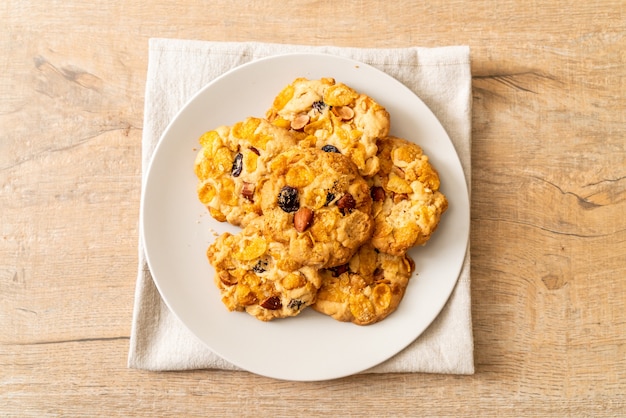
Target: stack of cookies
{"type": "Point", "coordinates": [328, 202]}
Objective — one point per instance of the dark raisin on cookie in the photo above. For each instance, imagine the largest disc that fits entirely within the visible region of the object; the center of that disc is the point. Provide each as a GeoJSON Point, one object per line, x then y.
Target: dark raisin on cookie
{"type": "Point", "coordinates": [288, 199]}
{"type": "Point", "coordinates": [330, 148]}
{"type": "Point", "coordinates": [260, 266]}
{"type": "Point", "coordinates": [377, 193]}
{"type": "Point", "coordinates": [329, 198]}
{"type": "Point", "coordinates": [319, 105]}
{"type": "Point", "coordinates": [235, 170]}
{"type": "Point", "coordinates": [295, 304]}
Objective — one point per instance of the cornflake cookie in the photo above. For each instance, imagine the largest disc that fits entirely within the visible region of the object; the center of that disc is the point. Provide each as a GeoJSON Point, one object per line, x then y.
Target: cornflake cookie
{"type": "Point", "coordinates": [407, 202]}
{"type": "Point", "coordinates": [232, 165]}
{"type": "Point", "coordinates": [257, 276]}
{"type": "Point", "coordinates": [330, 115]}
{"type": "Point", "coordinates": [317, 204]}
{"type": "Point", "coordinates": [367, 289]}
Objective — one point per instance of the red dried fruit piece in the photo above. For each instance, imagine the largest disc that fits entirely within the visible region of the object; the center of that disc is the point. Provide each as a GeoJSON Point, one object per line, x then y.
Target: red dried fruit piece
{"type": "Point", "coordinates": [346, 203]}
{"type": "Point", "coordinates": [272, 303]}
{"type": "Point", "coordinates": [339, 270]}
{"type": "Point", "coordinates": [247, 191]}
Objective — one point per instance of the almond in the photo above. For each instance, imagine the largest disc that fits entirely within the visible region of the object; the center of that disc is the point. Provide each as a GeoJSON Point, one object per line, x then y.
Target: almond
{"type": "Point", "coordinates": [227, 279]}
{"type": "Point", "coordinates": [299, 122]}
{"type": "Point", "coordinates": [399, 197]}
{"type": "Point", "coordinates": [343, 112]}
{"type": "Point", "coordinates": [303, 219]}
{"type": "Point", "coordinates": [346, 203]}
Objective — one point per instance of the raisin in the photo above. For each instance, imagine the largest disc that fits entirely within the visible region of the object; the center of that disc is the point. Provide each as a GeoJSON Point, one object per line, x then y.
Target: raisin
{"type": "Point", "coordinates": [272, 303]}
{"type": "Point", "coordinates": [295, 304]}
{"type": "Point", "coordinates": [330, 148]}
{"type": "Point", "coordinates": [346, 203]}
{"type": "Point", "coordinates": [235, 171]}
{"type": "Point", "coordinates": [329, 198]}
{"type": "Point", "coordinates": [288, 199]}
{"type": "Point", "coordinates": [319, 105]}
{"type": "Point", "coordinates": [377, 193]}
{"type": "Point", "coordinates": [339, 270]}
{"type": "Point", "coordinates": [260, 266]}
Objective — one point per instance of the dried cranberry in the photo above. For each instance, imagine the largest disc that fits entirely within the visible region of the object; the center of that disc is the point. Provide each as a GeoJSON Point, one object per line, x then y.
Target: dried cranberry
{"type": "Point", "coordinates": [346, 203]}
{"type": "Point", "coordinates": [235, 170]}
{"type": "Point", "coordinates": [272, 303]}
{"type": "Point", "coordinates": [288, 199]}
{"type": "Point", "coordinates": [247, 191]}
{"type": "Point", "coordinates": [330, 148]}
{"type": "Point", "coordinates": [339, 270]}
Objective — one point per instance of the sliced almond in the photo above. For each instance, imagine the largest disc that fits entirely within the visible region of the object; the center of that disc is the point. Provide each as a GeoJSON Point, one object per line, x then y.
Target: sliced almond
{"type": "Point", "coordinates": [227, 279]}
{"type": "Point", "coordinates": [399, 197]}
{"type": "Point", "coordinates": [300, 121]}
{"type": "Point", "coordinates": [343, 112]}
{"type": "Point", "coordinates": [397, 171]}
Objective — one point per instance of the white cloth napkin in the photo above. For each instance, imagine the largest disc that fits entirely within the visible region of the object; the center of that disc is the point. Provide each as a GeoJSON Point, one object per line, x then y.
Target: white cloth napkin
{"type": "Point", "coordinates": [177, 69]}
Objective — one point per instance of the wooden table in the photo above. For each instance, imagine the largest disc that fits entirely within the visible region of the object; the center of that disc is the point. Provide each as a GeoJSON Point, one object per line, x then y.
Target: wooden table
{"type": "Point", "coordinates": [548, 227]}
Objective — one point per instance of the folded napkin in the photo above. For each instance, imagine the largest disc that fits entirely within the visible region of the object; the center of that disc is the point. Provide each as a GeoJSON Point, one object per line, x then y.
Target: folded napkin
{"type": "Point", "coordinates": [177, 69]}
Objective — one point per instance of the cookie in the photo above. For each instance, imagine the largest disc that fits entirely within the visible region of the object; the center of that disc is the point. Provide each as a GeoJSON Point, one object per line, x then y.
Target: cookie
{"type": "Point", "coordinates": [257, 276]}
{"type": "Point", "coordinates": [317, 204]}
{"type": "Point", "coordinates": [324, 113]}
{"type": "Point", "coordinates": [365, 290]}
{"type": "Point", "coordinates": [232, 165]}
{"type": "Point", "coordinates": [407, 202]}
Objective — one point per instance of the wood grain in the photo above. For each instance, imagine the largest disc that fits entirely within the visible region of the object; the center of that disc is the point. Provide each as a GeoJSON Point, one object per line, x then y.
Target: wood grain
{"type": "Point", "coordinates": [548, 201]}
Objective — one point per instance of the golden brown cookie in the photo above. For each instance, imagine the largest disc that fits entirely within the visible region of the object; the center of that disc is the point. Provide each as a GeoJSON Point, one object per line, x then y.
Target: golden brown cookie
{"type": "Point", "coordinates": [257, 276]}
{"type": "Point", "coordinates": [324, 113]}
{"type": "Point", "coordinates": [407, 202]}
{"type": "Point", "coordinates": [317, 204]}
{"type": "Point", "coordinates": [367, 289]}
{"type": "Point", "coordinates": [232, 165]}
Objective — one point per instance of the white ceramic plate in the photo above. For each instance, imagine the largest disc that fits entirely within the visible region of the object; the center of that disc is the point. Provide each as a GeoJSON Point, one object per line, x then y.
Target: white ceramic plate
{"type": "Point", "coordinates": [177, 230]}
